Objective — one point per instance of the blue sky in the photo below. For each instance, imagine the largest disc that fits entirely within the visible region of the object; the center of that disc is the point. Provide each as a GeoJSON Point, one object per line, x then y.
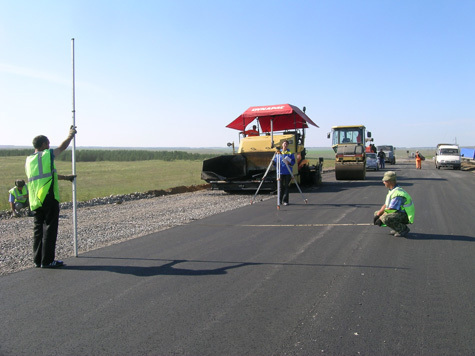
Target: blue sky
{"type": "Point", "coordinates": [174, 73]}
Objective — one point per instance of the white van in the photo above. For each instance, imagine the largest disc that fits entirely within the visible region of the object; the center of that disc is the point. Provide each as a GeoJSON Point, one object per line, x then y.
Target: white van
{"type": "Point", "coordinates": [389, 153]}
{"type": "Point", "coordinates": [447, 155]}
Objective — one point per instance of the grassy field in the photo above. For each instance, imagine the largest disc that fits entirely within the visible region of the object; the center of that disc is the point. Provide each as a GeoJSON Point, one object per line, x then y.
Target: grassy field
{"type": "Point", "coordinates": [101, 179]}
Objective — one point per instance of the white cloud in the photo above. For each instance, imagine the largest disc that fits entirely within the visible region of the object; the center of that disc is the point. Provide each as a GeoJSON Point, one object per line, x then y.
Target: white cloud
{"type": "Point", "coordinates": [32, 73]}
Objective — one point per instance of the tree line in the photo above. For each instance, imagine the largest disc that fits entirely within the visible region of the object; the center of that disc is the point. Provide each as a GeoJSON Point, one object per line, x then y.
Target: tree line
{"type": "Point", "coordinates": [117, 155]}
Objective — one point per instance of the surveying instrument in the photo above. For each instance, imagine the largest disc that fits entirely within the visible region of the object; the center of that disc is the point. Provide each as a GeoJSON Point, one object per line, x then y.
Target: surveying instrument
{"type": "Point", "coordinates": [278, 160]}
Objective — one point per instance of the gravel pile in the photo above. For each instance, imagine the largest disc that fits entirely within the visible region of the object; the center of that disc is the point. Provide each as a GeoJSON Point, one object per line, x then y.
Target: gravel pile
{"type": "Point", "coordinates": [106, 221]}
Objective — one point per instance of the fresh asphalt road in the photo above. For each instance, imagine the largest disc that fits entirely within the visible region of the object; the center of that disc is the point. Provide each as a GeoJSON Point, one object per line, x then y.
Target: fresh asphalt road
{"type": "Point", "coordinates": [308, 279]}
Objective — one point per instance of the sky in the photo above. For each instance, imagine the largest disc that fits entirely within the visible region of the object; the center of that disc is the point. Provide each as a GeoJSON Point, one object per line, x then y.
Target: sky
{"type": "Point", "coordinates": [174, 73]}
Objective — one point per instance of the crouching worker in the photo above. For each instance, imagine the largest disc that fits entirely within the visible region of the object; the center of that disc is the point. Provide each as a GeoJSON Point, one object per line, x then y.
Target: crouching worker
{"type": "Point", "coordinates": [398, 209]}
{"type": "Point", "coordinates": [18, 198]}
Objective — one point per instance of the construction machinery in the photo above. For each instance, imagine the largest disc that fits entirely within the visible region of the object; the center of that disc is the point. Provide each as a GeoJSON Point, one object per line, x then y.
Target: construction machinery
{"type": "Point", "coordinates": [349, 143]}
{"type": "Point", "coordinates": [250, 167]}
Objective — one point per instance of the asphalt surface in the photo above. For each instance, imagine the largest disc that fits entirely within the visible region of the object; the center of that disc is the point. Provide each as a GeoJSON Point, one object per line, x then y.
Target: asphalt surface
{"type": "Point", "coordinates": [308, 279]}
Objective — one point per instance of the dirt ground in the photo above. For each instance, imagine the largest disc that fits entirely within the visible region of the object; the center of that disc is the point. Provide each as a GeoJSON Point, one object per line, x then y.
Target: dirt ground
{"type": "Point", "coordinates": [468, 165]}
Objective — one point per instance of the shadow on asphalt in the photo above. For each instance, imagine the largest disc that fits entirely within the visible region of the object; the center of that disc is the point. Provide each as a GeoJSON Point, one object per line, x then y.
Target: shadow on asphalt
{"type": "Point", "coordinates": [338, 186]}
{"type": "Point", "coordinates": [417, 236]}
{"type": "Point", "coordinates": [297, 204]}
{"type": "Point", "coordinates": [429, 179]}
{"type": "Point", "coordinates": [168, 269]}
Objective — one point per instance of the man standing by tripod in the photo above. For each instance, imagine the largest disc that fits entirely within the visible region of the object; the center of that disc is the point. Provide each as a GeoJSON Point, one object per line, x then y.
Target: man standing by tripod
{"type": "Point", "coordinates": [285, 159]}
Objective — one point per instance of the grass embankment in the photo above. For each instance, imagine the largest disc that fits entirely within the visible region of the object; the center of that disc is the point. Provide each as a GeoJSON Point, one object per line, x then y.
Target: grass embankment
{"type": "Point", "coordinates": [101, 179]}
{"type": "Point", "coordinates": [104, 178]}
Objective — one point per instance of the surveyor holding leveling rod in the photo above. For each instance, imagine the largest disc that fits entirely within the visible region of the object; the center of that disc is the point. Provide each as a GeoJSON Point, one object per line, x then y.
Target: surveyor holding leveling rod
{"type": "Point", "coordinates": [44, 198]}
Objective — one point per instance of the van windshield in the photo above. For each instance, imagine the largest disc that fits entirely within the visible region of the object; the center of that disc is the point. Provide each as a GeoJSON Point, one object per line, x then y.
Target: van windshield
{"type": "Point", "coordinates": [385, 148]}
{"type": "Point", "coordinates": [449, 152]}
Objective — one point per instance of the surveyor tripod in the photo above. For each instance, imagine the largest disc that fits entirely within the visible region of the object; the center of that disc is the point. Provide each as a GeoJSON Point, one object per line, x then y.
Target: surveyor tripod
{"type": "Point", "coordinates": [279, 159]}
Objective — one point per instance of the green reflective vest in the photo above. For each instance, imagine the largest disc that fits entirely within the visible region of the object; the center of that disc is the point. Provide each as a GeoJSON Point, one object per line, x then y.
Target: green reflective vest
{"type": "Point", "coordinates": [407, 207]}
{"type": "Point", "coordinates": [19, 195]}
{"type": "Point", "coordinates": [41, 172]}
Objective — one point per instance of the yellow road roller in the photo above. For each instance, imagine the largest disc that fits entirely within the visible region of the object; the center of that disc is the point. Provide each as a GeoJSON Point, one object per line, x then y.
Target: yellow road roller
{"type": "Point", "coordinates": [349, 143]}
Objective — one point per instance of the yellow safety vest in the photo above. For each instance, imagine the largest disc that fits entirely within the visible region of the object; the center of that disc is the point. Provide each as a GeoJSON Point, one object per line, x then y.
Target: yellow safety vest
{"type": "Point", "coordinates": [41, 172]}
{"type": "Point", "coordinates": [407, 207]}
{"type": "Point", "coordinates": [19, 195]}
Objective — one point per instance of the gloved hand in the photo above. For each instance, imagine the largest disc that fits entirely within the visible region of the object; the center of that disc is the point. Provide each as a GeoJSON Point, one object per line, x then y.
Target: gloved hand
{"type": "Point", "coordinates": [377, 221]}
{"type": "Point", "coordinates": [72, 132]}
{"type": "Point", "coordinates": [70, 177]}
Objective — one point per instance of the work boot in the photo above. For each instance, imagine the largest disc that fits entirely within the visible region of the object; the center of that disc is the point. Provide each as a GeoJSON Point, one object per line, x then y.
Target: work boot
{"type": "Point", "coordinates": [402, 233]}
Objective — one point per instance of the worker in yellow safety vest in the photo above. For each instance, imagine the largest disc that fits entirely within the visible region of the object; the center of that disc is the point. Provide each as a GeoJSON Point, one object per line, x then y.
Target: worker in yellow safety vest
{"type": "Point", "coordinates": [398, 209]}
{"type": "Point", "coordinates": [18, 197]}
{"type": "Point", "coordinates": [44, 198]}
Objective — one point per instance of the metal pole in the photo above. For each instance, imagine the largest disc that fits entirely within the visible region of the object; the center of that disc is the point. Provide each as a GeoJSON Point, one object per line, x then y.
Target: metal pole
{"type": "Point", "coordinates": [75, 224]}
{"type": "Point", "coordinates": [272, 132]}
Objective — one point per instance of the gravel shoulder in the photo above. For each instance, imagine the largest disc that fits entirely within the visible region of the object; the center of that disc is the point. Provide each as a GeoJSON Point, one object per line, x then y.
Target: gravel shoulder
{"type": "Point", "coordinates": [107, 221]}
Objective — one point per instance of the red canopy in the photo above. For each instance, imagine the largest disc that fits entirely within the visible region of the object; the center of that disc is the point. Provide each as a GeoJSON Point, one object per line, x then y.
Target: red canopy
{"type": "Point", "coordinates": [284, 117]}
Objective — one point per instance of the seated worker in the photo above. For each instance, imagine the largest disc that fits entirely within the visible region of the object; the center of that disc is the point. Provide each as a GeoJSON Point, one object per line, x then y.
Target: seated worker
{"type": "Point", "coordinates": [18, 197]}
{"type": "Point", "coordinates": [301, 160]}
{"type": "Point", "coordinates": [252, 132]}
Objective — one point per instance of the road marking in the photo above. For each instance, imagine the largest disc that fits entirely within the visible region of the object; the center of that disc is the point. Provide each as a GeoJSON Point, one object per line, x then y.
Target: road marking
{"type": "Point", "coordinates": [287, 225]}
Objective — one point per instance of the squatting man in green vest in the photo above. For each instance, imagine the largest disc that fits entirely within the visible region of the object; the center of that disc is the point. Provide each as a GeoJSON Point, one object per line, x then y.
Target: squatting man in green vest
{"type": "Point", "coordinates": [44, 198]}
{"type": "Point", "coordinates": [398, 209]}
{"type": "Point", "coordinates": [18, 197]}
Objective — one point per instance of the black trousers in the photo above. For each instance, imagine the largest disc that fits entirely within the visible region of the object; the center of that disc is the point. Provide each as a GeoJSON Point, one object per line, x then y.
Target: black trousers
{"type": "Point", "coordinates": [284, 187]}
{"type": "Point", "coordinates": [44, 242]}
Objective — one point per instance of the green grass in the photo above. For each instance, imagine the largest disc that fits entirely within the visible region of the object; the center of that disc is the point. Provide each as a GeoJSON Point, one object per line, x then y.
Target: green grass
{"type": "Point", "coordinates": [328, 156]}
{"type": "Point", "coordinates": [428, 153]}
{"type": "Point", "coordinates": [100, 179]}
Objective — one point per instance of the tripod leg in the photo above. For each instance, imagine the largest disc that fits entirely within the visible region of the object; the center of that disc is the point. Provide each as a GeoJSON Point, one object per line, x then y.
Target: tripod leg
{"type": "Point", "coordinates": [263, 177]}
{"type": "Point", "coordinates": [295, 180]}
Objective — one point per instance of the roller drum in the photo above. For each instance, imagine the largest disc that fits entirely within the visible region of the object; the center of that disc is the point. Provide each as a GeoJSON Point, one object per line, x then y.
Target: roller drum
{"type": "Point", "coordinates": [350, 171]}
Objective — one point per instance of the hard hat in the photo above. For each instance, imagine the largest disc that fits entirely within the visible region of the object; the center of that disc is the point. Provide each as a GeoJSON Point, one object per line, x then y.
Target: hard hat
{"type": "Point", "coordinates": [389, 176]}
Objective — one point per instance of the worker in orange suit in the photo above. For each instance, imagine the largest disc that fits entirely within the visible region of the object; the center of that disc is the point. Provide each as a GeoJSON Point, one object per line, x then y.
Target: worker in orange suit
{"type": "Point", "coordinates": [418, 160]}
